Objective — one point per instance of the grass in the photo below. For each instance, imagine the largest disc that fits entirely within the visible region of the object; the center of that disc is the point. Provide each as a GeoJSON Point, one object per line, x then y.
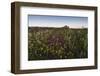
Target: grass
{"type": "Point", "coordinates": [57, 43]}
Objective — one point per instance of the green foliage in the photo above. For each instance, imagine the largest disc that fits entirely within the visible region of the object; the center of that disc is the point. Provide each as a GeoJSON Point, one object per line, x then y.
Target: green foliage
{"type": "Point", "coordinates": [56, 43]}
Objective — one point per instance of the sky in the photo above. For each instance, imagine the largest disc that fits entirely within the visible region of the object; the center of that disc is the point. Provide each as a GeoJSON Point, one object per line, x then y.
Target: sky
{"type": "Point", "coordinates": [57, 21]}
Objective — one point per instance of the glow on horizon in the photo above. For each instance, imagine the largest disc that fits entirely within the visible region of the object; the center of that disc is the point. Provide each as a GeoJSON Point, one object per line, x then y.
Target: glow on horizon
{"type": "Point", "coordinates": [57, 21]}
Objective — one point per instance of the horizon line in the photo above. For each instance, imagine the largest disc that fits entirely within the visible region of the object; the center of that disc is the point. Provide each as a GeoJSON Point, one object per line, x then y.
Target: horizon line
{"type": "Point", "coordinates": [71, 26]}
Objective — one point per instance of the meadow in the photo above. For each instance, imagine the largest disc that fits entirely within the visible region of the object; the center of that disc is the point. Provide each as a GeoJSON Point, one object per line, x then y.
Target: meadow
{"type": "Point", "coordinates": [46, 43]}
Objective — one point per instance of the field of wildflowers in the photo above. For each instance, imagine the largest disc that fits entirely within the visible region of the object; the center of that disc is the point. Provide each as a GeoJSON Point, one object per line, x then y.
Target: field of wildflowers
{"type": "Point", "coordinates": [57, 43]}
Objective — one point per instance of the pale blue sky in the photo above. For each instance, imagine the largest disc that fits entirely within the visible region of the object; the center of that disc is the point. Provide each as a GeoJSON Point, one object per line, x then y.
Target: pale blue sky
{"type": "Point", "coordinates": [57, 21]}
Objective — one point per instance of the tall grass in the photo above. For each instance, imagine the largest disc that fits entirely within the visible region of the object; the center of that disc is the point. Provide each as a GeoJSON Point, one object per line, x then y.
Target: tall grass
{"type": "Point", "coordinates": [57, 43]}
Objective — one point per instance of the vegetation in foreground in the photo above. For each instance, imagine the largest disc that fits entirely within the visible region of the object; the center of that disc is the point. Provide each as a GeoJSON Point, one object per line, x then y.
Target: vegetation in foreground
{"type": "Point", "coordinates": [57, 43]}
